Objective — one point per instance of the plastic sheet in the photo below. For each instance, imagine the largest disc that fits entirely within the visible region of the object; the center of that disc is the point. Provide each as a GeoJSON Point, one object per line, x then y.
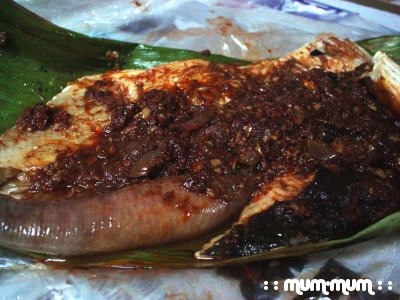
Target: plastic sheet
{"type": "Point", "coordinates": [244, 29]}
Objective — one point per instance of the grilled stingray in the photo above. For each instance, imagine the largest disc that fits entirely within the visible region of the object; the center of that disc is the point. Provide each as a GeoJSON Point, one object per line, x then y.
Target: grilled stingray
{"type": "Point", "coordinates": [323, 205]}
{"type": "Point", "coordinates": [140, 158]}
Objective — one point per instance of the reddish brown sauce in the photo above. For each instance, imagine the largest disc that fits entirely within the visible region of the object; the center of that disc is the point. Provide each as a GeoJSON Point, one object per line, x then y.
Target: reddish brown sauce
{"type": "Point", "coordinates": [41, 117]}
{"type": "Point", "coordinates": [137, 3]}
{"type": "Point", "coordinates": [297, 122]}
{"type": "Point", "coordinates": [206, 52]}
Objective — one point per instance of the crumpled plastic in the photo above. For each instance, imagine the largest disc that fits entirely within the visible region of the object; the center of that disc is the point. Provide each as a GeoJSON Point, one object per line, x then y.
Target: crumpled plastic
{"type": "Point", "coordinates": [249, 30]}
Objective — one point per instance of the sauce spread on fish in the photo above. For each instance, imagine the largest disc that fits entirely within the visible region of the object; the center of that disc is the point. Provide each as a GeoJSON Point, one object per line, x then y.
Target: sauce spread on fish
{"type": "Point", "coordinates": [41, 117]}
{"type": "Point", "coordinates": [295, 122]}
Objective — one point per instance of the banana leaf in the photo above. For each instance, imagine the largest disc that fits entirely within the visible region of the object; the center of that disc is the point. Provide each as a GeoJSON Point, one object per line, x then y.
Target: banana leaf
{"type": "Point", "coordinates": [39, 59]}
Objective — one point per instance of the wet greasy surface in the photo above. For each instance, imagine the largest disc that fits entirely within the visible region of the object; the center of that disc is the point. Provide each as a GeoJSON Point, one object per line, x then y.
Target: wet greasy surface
{"type": "Point", "coordinates": [297, 122]}
{"type": "Point", "coordinates": [41, 117]}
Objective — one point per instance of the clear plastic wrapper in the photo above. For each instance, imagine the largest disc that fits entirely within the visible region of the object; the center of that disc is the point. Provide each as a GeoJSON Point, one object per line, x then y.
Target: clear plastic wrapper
{"type": "Point", "coordinates": [244, 29]}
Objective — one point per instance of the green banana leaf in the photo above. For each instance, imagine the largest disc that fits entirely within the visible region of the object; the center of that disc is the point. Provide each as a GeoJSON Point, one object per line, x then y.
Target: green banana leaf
{"type": "Point", "coordinates": [39, 59]}
{"type": "Point", "coordinates": [388, 44]}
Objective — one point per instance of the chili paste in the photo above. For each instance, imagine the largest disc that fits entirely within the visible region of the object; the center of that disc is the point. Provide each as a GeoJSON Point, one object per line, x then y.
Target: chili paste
{"type": "Point", "coordinates": [266, 130]}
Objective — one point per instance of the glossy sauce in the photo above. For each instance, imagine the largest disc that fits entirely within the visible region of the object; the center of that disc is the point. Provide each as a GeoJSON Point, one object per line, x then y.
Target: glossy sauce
{"type": "Point", "coordinates": [264, 130]}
